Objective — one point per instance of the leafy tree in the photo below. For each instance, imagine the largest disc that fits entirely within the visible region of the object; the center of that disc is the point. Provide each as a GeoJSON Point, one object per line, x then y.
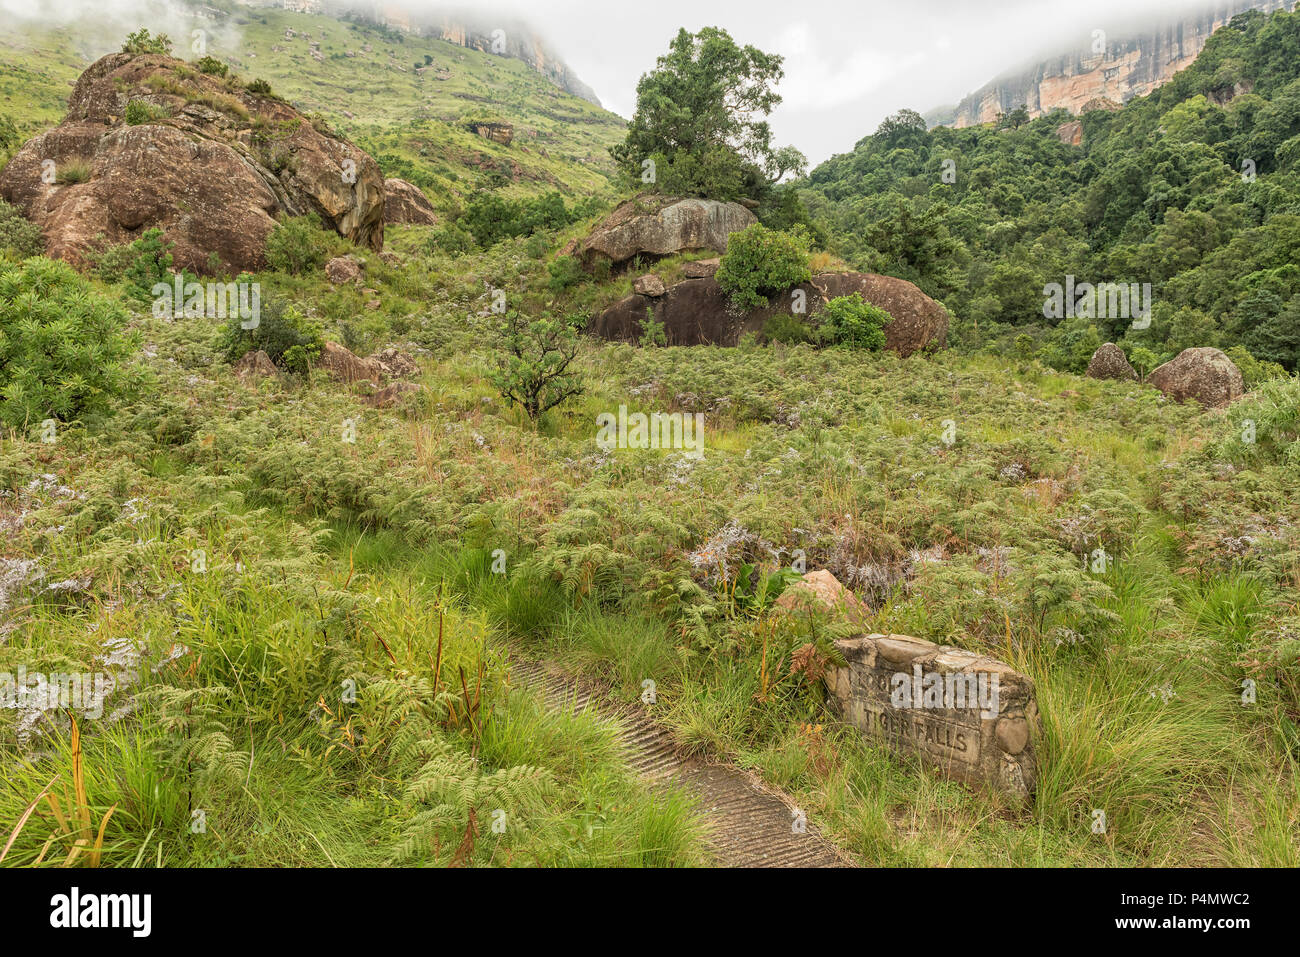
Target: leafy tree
{"type": "Point", "coordinates": [534, 362]}
{"type": "Point", "coordinates": [63, 346]}
{"type": "Point", "coordinates": [701, 118]}
{"type": "Point", "coordinates": [761, 262]}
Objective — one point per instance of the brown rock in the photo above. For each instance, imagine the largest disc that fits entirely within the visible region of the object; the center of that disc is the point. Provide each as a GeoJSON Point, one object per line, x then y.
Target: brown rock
{"type": "Point", "coordinates": [1070, 133]}
{"type": "Point", "coordinates": [698, 312]}
{"type": "Point", "coordinates": [198, 173]}
{"type": "Point", "coordinates": [348, 368]}
{"type": "Point", "coordinates": [661, 226]}
{"type": "Point", "coordinates": [1206, 375]}
{"type": "Point", "coordinates": [406, 204]}
{"type": "Point", "coordinates": [701, 268]}
{"type": "Point", "coordinates": [649, 285]}
{"type": "Point", "coordinates": [391, 395]}
{"type": "Point", "coordinates": [1109, 362]}
{"type": "Point", "coordinates": [255, 365]}
{"type": "Point", "coordinates": [342, 270]}
{"type": "Point", "coordinates": [822, 591]}
{"type": "Point", "coordinates": [919, 323]}
{"type": "Point", "coordinates": [396, 364]}
{"type": "Point", "coordinates": [503, 133]}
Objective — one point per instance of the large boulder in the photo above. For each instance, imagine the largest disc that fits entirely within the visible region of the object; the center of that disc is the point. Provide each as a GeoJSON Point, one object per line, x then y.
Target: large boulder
{"type": "Point", "coordinates": [213, 168]}
{"type": "Point", "coordinates": [698, 312]}
{"type": "Point", "coordinates": [659, 226]}
{"type": "Point", "coordinates": [1206, 375]}
{"type": "Point", "coordinates": [406, 204]}
{"type": "Point", "coordinates": [1109, 362]}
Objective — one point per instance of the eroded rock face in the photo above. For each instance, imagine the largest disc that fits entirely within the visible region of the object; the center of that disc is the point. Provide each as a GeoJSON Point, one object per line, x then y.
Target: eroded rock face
{"type": "Point", "coordinates": [405, 204]}
{"type": "Point", "coordinates": [1109, 362]}
{"type": "Point", "coordinates": [343, 269]}
{"type": "Point", "coordinates": [1206, 375]}
{"type": "Point", "coordinates": [658, 226]}
{"type": "Point", "coordinates": [503, 133]}
{"type": "Point", "coordinates": [698, 312]}
{"type": "Point", "coordinates": [255, 365]}
{"type": "Point", "coordinates": [345, 366]}
{"type": "Point", "coordinates": [212, 171]}
{"type": "Point", "coordinates": [972, 717]}
{"type": "Point", "coordinates": [649, 285]}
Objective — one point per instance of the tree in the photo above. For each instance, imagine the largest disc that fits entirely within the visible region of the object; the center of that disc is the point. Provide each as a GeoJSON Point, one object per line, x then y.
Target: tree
{"type": "Point", "coordinates": [700, 119]}
{"type": "Point", "coordinates": [761, 262]}
{"type": "Point", "coordinates": [533, 363]}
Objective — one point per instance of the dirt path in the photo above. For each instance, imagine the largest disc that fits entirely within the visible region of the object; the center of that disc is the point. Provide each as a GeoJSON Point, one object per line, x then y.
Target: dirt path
{"type": "Point", "coordinates": [749, 824]}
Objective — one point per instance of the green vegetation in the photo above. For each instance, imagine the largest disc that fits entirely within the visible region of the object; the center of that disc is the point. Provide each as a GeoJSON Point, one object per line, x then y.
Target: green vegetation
{"type": "Point", "coordinates": [1193, 189]}
{"type": "Point", "coordinates": [761, 262]}
{"type": "Point", "coordinates": [62, 345]}
{"type": "Point", "coordinates": [317, 599]}
{"type": "Point", "coordinates": [139, 112]}
{"type": "Point", "coordinates": [17, 235]}
{"type": "Point", "coordinates": [853, 321]}
{"type": "Point", "coordinates": [142, 42]}
{"type": "Point", "coordinates": [699, 127]}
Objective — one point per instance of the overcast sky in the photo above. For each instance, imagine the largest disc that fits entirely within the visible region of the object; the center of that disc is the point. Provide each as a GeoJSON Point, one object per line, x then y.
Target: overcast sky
{"type": "Point", "coordinates": [849, 63]}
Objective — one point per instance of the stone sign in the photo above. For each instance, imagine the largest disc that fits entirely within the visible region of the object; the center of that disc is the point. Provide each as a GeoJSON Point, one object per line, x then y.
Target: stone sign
{"type": "Point", "coordinates": [968, 715]}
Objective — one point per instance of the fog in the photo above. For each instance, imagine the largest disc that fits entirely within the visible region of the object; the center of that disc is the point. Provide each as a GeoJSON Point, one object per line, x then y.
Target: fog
{"type": "Point", "coordinates": [847, 65]}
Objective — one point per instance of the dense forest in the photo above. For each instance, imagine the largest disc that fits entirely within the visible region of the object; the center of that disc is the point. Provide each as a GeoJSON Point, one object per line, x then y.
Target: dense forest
{"type": "Point", "coordinates": [1193, 189]}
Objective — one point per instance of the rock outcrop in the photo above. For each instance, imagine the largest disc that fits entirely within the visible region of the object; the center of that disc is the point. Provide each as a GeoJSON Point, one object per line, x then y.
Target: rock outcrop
{"type": "Point", "coordinates": [503, 133]}
{"type": "Point", "coordinates": [405, 204]}
{"type": "Point", "coordinates": [1206, 375]}
{"type": "Point", "coordinates": [203, 159]}
{"type": "Point", "coordinates": [698, 312]}
{"type": "Point", "coordinates": [654, 226]}
{"type": "Point", "coordinates": [1133, 63]}
{"type": "Point", "coordinates": [1109, 362]}
{"type": "Point", "coordinates": [343, 269]}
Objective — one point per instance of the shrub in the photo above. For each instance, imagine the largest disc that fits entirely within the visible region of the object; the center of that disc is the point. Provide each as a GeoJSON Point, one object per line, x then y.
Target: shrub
{"type": "Point", "coordinates": [260, 87]}
{"type": "Point", "coordinates": [18, 234]}
{"type": "Point", "coordinates": [761, 262]}
{"type": "Point", "coordinates": [298, 245]}
{"type": "Point", "coordinates": [139, 112]}
{"type": "Point", "coordinates": [852, 321]}
{"type": "Point", "coordinates": [62, 345]}
{"type": "Point", "coordinates": [212, 66]}
{"type": "Point", "coordinates": [564, 273]}
{"type": "Point", "coordinates": [289, 339]}
{"type": "Point", "coordinates": [147, 261]}
{"type": "Point", "coordinates": [73, 171]}
{"type": "Point", "coordinates": [1254, 371]}
{"type": "Point", "coordinates": [143, 42]}
{"type": "Point", "coordinates": [788, 328]}
{"type": "Point", "coordinates": [533, 362]}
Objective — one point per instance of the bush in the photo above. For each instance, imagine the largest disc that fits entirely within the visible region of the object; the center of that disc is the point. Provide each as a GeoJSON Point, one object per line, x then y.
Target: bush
{"type": "Point", "coordinates": [212, 66]}
{"type": "Point", "coordinates": [788, 328]}
{"type": "Point", "coordinates": [761, 262]}
{"type": "Point", "coordinates": [1255, 371]}
{"type": "Point", "coordinates": [490, 219]}
{"type": "Point", "coordinates": [852, 321]}
{"type": "Point", "coordinates": [146, 262]}
{"type": "Point", "coordinates": [533, 362]}
{"type": "Point", "coordinates": [289, 339]}
{"type": "Point", "coordinates": [139, 112]}
{"type": "Point", "coordinates": [62, 344]}
{"type": "Point", "coordinates": [298, 245]}
{"type": "Point", "coordinates": [565, 272]}
{"type": "Point", "coordinates": [142, 42]}
{"type": "Point", "coordinates": [18, 234]}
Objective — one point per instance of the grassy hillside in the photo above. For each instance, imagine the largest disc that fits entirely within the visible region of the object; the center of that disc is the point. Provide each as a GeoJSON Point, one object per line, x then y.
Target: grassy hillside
{"type": "Point", "coordinates": [367, 84]}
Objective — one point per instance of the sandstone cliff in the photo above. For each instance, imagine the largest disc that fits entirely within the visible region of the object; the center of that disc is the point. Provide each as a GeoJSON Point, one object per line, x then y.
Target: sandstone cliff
{"type": "Point", "coordinates": [1132, 65]}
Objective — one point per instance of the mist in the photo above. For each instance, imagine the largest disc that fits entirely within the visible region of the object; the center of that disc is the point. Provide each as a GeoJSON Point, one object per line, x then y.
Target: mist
{"type": "Point", "coordinates": [847, 67]}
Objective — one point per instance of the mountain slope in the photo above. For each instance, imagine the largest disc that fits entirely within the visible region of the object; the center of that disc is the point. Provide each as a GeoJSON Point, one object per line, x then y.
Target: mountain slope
{"type": "Point", "coordinates": [410, 99]}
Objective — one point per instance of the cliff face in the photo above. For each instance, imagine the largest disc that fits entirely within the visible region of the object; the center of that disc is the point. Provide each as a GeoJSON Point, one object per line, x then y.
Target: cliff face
{"type": "Point", "coordinates": [1132, 65]}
